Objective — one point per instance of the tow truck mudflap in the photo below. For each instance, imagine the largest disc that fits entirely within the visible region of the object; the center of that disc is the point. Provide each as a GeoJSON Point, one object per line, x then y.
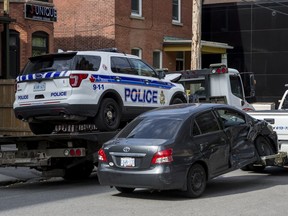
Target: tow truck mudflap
{"type": "Point", "coordinates": [280, 158]}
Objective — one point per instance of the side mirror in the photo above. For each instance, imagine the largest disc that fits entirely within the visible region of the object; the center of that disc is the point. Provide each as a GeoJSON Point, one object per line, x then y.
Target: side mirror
{"type": "Point", "coordinates": [161, 74]}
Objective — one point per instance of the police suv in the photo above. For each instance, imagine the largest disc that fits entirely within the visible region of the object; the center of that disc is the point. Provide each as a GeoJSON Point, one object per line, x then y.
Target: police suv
{"type": "Point", "coordinates": [103, 88]}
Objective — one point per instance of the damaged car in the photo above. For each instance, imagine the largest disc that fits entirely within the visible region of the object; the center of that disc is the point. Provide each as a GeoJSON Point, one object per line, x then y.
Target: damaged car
{"type": "Point", "coordinates": [182, 147]}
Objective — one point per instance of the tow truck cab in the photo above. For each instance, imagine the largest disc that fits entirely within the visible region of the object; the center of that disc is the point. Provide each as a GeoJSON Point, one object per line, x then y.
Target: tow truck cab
{"type": "Point", "coordinates": [217, 84]}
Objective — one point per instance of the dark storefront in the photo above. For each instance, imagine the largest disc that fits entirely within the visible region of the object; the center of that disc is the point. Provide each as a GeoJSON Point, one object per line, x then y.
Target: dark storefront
{"type": "Point", "coordinates": [258, 32]}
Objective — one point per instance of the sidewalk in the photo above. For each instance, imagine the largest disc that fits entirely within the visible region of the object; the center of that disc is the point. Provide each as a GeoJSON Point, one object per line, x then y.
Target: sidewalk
{"type": "Point", "coordinates": [4, 180]}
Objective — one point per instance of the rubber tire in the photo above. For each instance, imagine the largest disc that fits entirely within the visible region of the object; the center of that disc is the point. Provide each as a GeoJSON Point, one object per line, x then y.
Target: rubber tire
{"type": "Point", "coordinates": [125, 190]}
{"type": "Point", "coordinates": [81, 171]}
{"type": "Point", "coordinates": [105, 123]}
{"type": "Point", "coordinates": [263, 147]}
{"type": "Point", "coordinates": [196, 181]}
{"type": "Point", "coordinates": [176, 101]}
{"type": "Point", "coordinates": [41, 128]}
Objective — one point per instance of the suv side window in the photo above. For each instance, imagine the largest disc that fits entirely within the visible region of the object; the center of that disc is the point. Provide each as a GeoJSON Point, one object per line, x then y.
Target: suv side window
{"type": "Point", "coordinates": [206, 122]}
{"type": "Point", "coordinates": [142, 68]}
{"type": "Point", "coordinates": [230, 117]}
{"type": "Point", "coordinates": [121, 65]}
{"type": "Point", "coordinates": [90, 63]}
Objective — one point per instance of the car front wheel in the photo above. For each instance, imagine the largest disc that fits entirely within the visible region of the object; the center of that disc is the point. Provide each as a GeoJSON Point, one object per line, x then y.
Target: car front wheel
{"type": "Point", "coordinates": [196, 181]}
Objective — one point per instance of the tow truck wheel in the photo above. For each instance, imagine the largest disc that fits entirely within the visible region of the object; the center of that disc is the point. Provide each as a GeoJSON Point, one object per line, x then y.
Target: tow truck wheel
{"type": "Point", "coordinates": [81, 171]}
{"type": "Point", "coordinates": [39, 128]}
{"type": "Point", "coordinates": [109, 115]}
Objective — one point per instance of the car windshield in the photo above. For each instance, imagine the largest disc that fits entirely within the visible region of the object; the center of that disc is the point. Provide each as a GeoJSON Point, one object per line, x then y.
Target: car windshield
{"type": "Point", "coordinates": [152, 128]}
{"type": "Point", "coordinates": [58, 62]}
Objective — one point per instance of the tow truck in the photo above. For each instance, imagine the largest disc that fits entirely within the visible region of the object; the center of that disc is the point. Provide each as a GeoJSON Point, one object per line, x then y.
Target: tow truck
{"type": "Point", "coordinates": [216, 84]}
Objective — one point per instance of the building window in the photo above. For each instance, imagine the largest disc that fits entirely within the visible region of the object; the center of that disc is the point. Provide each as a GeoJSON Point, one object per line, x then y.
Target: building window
{"type": "Point", "coordinates": [176, 11]}
{"type": "Point", "coordinates": [180, 56]}
{"type": "Point", "coordinates": [136, 52]}
{"type": "Point", "coordinates": [136, 8]}
{"type": "Point", "coordinates": [157, 59]}
{"type": "Point", "coordinates": [39, 43]}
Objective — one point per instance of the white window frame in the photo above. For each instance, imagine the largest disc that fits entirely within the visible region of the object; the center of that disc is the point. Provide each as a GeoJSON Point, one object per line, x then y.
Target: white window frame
{"type": "Point", "coordinates": [178, 20]}
{"type": "Point", "coordinates": [160, 58]}
{"type": "Point", "coordinates": [139, 51]}
{"type": "Point", "coordinates": [135, 14]}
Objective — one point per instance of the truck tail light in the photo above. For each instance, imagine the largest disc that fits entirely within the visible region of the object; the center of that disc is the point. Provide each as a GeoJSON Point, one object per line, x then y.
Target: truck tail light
{"type": "Point", "coordinates": [76, 79]}
{"type": "Point", "coordinates": [161, 157]}
{"type": "Point", "coordinates": [102, 156]}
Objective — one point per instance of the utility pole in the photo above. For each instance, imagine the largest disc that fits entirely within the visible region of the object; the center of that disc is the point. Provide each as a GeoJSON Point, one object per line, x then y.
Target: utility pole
{"type": "Point", "coordinates": [196, 34]}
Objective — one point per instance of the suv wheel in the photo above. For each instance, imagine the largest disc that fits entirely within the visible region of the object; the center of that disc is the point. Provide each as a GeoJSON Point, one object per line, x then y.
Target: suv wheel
{"type": "Point", "coordinates": [109, 115]}
{"type": "Point", "coordinates": [177, 101]}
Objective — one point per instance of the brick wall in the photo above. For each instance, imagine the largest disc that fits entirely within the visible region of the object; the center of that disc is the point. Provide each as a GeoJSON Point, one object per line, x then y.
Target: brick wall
{"type": "Point", "coordinates": [148, 33]}
{"type": "Point", "coordinates": [26, 28]}
{"type": "Point", "coordinates": [84, 25]}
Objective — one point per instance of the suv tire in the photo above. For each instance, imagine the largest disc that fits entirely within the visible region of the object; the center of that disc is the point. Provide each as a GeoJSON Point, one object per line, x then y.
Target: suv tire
{"type": "Point", "coordinates": [109, 115]}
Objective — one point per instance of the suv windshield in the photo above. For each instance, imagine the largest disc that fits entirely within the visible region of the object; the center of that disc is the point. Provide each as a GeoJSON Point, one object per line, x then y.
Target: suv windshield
{"type": "Point", "coordinates": [151, 128]}
{"type": "Point", "coordinates": [61, 62]}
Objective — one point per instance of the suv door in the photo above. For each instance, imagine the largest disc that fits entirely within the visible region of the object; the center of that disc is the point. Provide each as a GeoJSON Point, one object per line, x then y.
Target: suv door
{"type": "Point", "coordinates": [212, 142]}
{"type": "Point", "coordinates": [127, 82]}
{"type": "Point", "coordinates": [156, 91]}
{"type": "Point", "coordinates": [237, 129]}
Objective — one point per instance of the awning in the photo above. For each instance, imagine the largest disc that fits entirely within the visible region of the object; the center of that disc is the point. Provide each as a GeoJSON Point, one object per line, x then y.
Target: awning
{"type": "Point", "coordinates": [171, 44]}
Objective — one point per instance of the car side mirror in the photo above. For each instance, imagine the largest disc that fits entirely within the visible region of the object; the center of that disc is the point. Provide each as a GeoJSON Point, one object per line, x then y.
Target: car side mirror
{"type": "Point", "coordinates": [161, 74]}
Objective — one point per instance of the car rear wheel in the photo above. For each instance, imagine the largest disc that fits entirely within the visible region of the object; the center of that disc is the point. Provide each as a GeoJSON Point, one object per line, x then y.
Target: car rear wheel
{"type": "Point", "coordinates": [125, 190]}
{"type": "Point", "coordinates": [196, 181]}
{"type": "Point", "coordinates": [109, 115]}
{"type": "Point", "coordinates": [40, 128]}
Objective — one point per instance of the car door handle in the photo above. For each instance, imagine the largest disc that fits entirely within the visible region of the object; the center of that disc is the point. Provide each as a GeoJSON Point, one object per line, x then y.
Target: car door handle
{"type": "Point", "coordinates": [117, 79]}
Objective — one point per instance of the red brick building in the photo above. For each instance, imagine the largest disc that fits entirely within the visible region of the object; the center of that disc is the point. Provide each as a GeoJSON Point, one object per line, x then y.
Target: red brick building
{"type": "Point", "coordinates": [30, 25]}
{"type": "Point", "coordinates": [158, 31]}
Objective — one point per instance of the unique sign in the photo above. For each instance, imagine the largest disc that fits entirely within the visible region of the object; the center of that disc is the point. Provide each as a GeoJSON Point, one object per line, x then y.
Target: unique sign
{"type": "Point", "coordinates": [40, 12]}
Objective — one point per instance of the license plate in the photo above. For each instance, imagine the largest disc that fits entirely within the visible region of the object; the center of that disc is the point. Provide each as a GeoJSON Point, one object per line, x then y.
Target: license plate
{"type": "Point", "coordinates": [128, 162]}
{"type": "Point", "coordinates": [39, 87]}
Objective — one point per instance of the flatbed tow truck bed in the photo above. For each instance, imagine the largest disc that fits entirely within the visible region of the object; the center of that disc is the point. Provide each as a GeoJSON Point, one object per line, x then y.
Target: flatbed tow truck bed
{"type": "Point", "coordinates": [54, 154]}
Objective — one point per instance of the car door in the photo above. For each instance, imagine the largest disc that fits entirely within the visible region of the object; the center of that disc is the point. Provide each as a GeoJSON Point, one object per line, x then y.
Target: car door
{"type": "Point", "coordinates": [212, 142]}
{"type": "Point", "coordinates": [236, 128]}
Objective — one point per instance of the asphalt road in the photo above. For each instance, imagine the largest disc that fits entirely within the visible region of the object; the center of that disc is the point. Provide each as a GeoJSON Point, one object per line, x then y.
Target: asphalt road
{"type": "Point", "coordinates": [236, 193]}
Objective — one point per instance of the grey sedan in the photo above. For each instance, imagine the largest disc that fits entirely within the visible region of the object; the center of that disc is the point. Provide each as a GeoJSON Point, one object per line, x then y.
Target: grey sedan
{"type": "Point", "coordinates": [182, 147]}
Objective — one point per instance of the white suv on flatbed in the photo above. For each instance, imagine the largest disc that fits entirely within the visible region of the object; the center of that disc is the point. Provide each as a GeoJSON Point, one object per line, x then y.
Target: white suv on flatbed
{"type": "Point", "coordinates": [99, 87]}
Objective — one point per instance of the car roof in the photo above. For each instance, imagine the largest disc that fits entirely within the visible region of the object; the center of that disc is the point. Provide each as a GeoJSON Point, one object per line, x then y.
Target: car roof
{"type": "Point", "coordinates": [183, 110]}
